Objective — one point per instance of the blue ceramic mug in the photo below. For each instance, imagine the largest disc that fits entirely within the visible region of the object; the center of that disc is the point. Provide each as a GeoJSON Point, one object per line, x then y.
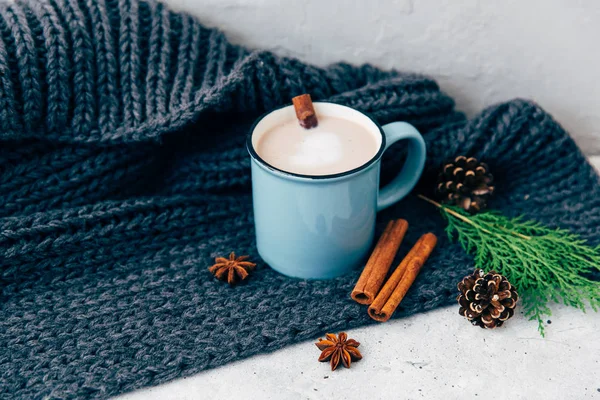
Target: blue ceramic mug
{"type": "Point", "coordinates": [319, 227]}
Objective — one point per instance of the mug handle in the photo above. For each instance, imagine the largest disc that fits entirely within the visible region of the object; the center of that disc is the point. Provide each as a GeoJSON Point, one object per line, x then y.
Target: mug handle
{"type": "Point", "coordinates": [408, 177]}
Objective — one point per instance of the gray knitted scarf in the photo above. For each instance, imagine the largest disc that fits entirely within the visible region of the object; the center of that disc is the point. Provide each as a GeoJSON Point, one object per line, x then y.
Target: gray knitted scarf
{"type": "Point", "coordinates": [123, 173]}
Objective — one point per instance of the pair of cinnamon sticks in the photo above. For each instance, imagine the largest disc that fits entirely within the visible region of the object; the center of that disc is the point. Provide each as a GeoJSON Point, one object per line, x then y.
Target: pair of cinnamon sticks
{"type": "Point", "coordinates": [382, 303]}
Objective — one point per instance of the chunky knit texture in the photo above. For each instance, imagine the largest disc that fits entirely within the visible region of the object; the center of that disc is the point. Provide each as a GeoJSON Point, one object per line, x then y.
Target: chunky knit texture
{"type": "Point", "coordinates": [123, 173]}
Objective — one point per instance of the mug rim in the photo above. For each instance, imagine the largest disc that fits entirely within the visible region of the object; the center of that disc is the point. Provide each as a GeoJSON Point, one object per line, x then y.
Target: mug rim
{"type": "Point", "coordinates": [353, 171]}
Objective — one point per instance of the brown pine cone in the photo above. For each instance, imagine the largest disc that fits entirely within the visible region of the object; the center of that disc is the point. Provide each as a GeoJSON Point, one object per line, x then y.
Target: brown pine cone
{"type": "Point", "coordinates": [466, 183]}
{"type": "Point", "coordinates": [487, 300]}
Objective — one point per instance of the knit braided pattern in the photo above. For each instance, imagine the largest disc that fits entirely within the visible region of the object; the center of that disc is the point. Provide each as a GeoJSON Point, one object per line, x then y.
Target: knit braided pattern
{"type": "Point", "coordinates": [123, 173]}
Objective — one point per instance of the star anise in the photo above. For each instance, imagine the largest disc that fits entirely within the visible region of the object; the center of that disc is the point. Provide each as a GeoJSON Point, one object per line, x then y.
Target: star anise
{"type": "Point", "coordinates": [233, 269]}
{"type": "Point", "coordinates": [338, 348]}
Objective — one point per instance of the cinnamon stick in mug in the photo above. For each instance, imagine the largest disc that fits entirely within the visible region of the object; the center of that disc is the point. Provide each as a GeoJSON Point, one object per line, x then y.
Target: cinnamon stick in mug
{"type": "Point", "coordinates": [305, 111]}
{"type": "Point", "coordinates": [379, 263]}
{"type": "Point", "coordinates": [402, 278]}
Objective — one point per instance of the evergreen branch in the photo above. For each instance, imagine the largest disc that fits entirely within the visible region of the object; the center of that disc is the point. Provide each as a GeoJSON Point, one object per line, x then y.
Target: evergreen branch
{"type": "Point", "coordinates": [544, 264]}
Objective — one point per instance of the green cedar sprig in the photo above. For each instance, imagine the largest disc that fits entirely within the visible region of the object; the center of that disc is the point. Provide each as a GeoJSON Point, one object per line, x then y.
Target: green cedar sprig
{"type": "Point", "coordinates": [544, 264]}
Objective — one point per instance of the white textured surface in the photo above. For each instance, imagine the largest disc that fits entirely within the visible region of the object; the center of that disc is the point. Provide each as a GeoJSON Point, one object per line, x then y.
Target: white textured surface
{"type": "Point", "coordinates": [481, 52]}
{"type": "Point", "coordinates": [437, 355]}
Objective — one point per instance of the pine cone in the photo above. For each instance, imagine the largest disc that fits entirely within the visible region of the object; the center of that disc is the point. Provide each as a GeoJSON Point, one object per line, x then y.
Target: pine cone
{"type": "Point", "coordinates": [466, 183]}
{"type": "Point", "coordinates": [487, 300]}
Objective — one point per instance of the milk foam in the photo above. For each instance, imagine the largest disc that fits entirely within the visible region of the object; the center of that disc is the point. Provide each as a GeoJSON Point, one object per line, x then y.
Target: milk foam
{"type": "Point", "coordinates": [318, 149]}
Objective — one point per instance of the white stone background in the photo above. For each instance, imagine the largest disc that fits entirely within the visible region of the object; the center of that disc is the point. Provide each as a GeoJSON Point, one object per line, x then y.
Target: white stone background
{"type": "Point", "coordinates": [481, 52]}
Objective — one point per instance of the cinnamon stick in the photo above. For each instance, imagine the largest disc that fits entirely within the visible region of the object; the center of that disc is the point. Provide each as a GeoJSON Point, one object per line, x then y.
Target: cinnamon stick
{"type": "Point", "coordinates": [379, 262]}
{"type": "Point", "coordinates": [305, 112]}
{"type": "Point", "coordinates": [402, 278]}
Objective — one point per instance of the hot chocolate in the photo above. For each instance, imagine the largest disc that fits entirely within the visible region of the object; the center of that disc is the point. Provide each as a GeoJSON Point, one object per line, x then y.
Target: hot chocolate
{"type": "Point", "coordinates": [336, 145]}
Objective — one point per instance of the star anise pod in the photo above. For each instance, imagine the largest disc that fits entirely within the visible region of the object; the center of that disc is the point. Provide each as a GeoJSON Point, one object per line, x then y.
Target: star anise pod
{"type": "Point", "coordinates": [232, 270]}
{"type": "Point", "coordinates": [338, 348]}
